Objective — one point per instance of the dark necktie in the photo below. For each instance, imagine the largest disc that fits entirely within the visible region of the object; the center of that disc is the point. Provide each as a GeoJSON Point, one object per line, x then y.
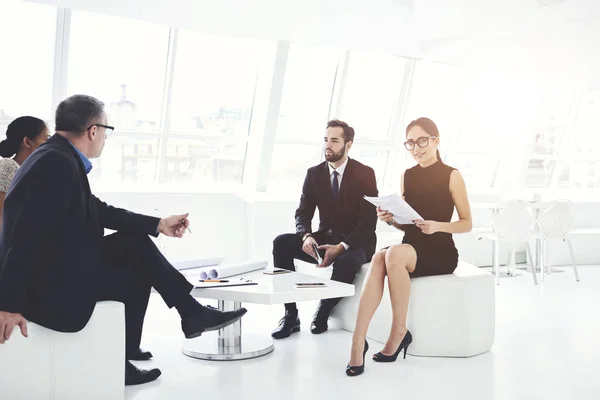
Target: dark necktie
{"type": "Point", "coordinates": [335, 186]}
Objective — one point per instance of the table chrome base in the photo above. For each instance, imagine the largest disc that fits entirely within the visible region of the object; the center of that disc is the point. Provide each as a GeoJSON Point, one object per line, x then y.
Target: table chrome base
{"type": "Point", "coordinates": [230, 344]}
{"type": "Point", "coordinates": [208, 348]}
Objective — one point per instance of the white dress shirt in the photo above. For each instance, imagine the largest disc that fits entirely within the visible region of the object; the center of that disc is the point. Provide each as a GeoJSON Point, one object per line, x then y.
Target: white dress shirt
{"type": "Point", "coordinates": [340, 170]}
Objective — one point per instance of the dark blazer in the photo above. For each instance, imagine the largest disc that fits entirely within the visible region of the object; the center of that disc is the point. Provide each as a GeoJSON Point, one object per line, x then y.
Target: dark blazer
{"type": "Point", "coordinates": [351, 216]}
{"type": "Point", "coordinates": [51, 243]}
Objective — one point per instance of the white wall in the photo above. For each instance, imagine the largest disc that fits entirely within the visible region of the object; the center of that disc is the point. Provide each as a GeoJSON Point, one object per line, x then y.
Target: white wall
{"type": "Point", "coordinates": [218, 222]}
{"type": "Point", "coordinates": [236, 228]}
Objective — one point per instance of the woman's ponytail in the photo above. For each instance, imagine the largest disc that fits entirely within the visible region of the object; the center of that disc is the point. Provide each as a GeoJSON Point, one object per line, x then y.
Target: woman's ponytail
{"type": "Point", "coordinates": [20, 128]}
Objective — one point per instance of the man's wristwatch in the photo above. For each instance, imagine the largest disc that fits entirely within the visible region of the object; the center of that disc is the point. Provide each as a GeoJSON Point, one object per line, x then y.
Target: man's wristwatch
{"type": "Point", "coordinates": [306, 236]}
{"type": "Point", "coordinates": [390, 223]}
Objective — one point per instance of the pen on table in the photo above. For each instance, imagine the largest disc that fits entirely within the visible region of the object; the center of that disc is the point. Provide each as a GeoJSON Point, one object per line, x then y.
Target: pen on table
{"type": "Point", "coordinates": [213, 280]}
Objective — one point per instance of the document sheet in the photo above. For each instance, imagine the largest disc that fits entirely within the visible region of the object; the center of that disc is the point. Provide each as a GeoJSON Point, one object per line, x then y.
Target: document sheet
{"type": "Point", "coordinates": [402, 212]}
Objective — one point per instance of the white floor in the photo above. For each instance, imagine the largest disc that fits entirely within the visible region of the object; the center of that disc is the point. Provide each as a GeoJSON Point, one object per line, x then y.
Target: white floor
{"type": "Point", "coordinates": [547, 347]}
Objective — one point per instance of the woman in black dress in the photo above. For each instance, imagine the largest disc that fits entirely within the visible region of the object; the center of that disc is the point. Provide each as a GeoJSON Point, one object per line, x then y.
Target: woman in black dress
{"type": "Point", "coordinates": [433, 189]}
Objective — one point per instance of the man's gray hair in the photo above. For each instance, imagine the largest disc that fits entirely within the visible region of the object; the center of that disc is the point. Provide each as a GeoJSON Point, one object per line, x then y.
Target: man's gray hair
{"type": "Point", "coordinates": [75, 114]}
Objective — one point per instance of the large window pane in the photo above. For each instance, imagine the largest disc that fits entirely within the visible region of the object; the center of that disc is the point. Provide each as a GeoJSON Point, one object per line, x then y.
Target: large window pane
{"type": "Point", "coordinates": [438, 92]}
{"type": "Point", "coordinates": [26, 68]}
{"type": "Point", "coordinates": [500, 111]}
{"type": "Point", "coordinates": [215, 160]}
{"type": "Point", "coordinates": [305, 105]}
{"type": "Point", "coordinates": [290, 162]}
{"type": "Point", "coordinates": [212, 101]}
{"type": "Point", "coordinates": [371, 94]}
{"type": "Point", "coordinates": [214, 84]}
{"type": "Point", "coordinates": [127, 157]}
{"type": "Point", "coordinates": [580, 175]}
{"type": "Point", "coordinates": [478, 170]}
{"type": "Point", "coordinates": [375, 156]}
{"type": "Point", "coordinates": [555, 120]}
{"type": "Point", "coordinates": [585, 140]}
{"type": "Point", "coordinates": [539, 172]}
{"type": "Point", "coordinates": [556, 108]}
{"type": "Point", "coordinates": [123, 63]}
{"type": "Point", "coordinates": [307, 89]}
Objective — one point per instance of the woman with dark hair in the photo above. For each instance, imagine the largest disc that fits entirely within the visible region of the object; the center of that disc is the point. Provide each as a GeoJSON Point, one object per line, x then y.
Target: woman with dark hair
{"type": "Point", "coordinates": [23, 136]}
{"type": "Point", "coordinates": [433, 189]}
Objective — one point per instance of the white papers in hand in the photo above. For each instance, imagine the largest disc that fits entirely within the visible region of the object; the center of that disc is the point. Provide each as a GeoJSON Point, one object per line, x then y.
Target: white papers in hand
{"type": "Point", "coordinates": [395, 204]}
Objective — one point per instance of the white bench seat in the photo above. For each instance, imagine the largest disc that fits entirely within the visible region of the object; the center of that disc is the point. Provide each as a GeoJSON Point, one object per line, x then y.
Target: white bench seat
{"type": "Point", "coordinates": [449, 315]}
{"type": "Point", "coordinates": [49, 365]}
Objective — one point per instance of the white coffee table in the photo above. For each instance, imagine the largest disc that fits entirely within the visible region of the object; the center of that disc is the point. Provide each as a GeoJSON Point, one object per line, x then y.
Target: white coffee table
{"type": "Point", "coordinates": [231, 343]}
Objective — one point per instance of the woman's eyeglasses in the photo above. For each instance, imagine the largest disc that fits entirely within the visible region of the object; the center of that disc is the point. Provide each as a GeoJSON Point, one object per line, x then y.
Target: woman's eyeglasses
{"type": "Point", "coordinates": [421, 142]}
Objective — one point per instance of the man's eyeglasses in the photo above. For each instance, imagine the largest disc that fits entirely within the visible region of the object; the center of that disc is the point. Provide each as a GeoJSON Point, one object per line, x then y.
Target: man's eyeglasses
{"type": "Point", "coordinates": [421, 142]}
{"type": "Point", "coordinates": [109, 129]}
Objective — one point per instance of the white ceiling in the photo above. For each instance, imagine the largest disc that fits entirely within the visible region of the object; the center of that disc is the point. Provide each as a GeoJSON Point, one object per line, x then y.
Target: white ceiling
{"type": "Point", "coordinates": [561, 33]}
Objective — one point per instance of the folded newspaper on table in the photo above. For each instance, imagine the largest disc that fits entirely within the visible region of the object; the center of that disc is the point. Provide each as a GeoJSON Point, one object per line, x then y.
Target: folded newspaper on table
{"type": "Point", "coordinates": [394, 203]}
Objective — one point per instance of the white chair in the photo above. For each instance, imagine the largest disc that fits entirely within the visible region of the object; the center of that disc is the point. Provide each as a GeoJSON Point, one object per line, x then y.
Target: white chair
{"type": "Point", "coordinates": [49, 365]}
{"type": "Point", "coordinates": [555, 222]}
{"type": "Point", "coordinates": [511, 226]}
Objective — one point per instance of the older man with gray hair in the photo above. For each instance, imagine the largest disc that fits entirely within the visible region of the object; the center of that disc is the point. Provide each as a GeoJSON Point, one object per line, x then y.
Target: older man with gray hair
{"type": "Point", "coordinates": [56, 263]}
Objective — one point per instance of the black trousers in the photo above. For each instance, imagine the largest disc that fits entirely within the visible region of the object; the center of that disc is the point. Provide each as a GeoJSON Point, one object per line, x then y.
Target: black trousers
{"type": "Point", "coordinates": [288, 247]}
{"type": "Point", "coordinates": [133, 265]}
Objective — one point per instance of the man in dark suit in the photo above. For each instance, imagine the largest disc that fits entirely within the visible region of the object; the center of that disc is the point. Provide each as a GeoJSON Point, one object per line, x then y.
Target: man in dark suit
{"type": "Point", "coordinates": [55, 262]}
{"type": "Point", "coordinates": [346, 235]}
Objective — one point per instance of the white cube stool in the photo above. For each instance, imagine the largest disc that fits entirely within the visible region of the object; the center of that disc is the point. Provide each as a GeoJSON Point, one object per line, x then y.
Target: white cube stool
{"type": "Point", "coordinates": [89, 364]}
{"type": "Point", "coordinates": [449, 315]}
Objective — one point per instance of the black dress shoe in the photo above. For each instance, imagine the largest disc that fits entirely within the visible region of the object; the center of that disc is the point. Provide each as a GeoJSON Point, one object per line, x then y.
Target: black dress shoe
{"type": "Point", "coordinates": [319, 323]}
{"type": "Point", "coordinates": [136, 376]}
{"type": "Point", "coordinates": [290, 323]}
{"type": "Point", "coordinates": [209, 319]}
{"type": "Point", "coordinates": [139, 355]}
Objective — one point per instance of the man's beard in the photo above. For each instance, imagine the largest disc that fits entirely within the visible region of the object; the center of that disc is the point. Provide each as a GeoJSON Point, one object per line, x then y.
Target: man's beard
{"type": "Point", "coordinates": [335, 157]}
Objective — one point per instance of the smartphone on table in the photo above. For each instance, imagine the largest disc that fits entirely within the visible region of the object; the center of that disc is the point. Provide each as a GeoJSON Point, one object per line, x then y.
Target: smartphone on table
{"type": "Point", "coordinates": [309, 285]}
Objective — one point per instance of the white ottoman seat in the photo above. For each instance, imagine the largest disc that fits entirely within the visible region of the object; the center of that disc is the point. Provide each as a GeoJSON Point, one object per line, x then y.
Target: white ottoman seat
{"type": "Point", "coordinates": [449, 315]}
{"type": "Point", "coordinates": [89, 364]}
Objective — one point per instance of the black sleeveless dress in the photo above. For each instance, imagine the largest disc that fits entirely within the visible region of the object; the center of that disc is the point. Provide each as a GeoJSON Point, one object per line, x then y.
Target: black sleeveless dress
{"type": "Point", "coordinates": [427, 190]}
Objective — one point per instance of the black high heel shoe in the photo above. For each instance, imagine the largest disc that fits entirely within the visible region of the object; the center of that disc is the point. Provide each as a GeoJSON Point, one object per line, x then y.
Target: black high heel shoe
{"type": "Point", "coordinates": [354, 371]}
{"type": "Point", "coordinates": [406, 341]}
